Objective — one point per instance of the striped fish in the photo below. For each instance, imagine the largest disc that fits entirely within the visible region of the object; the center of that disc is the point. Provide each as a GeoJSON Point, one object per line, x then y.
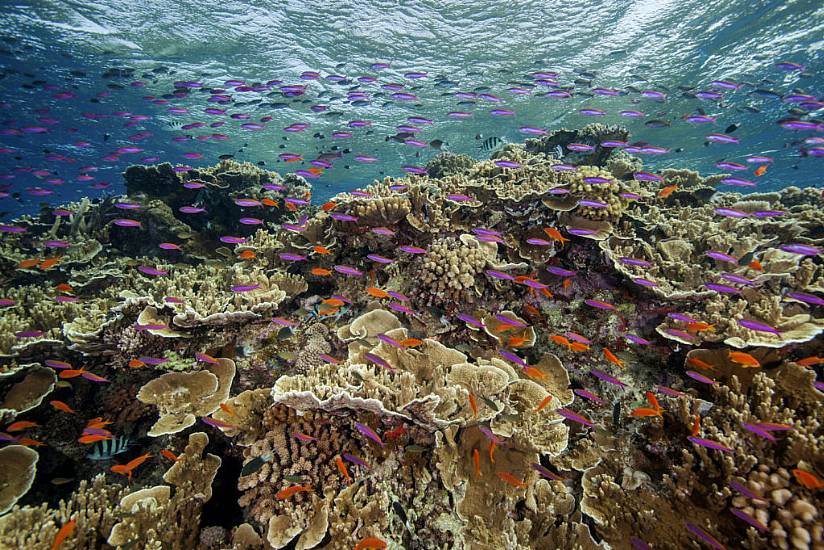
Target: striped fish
{"type": "Point", "coordinates": [490, 144]}
{"type": "Point", "coordinates": [106, 449]}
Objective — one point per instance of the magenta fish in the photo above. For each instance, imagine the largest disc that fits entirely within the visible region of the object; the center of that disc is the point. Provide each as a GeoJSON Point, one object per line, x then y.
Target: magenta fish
{"type": "Point", "coordinates": [347, 270]}
{"type": "Point", "coordinates": [369, 432]}
{"type": "Point", "coordinates": [244, 288]}
{"type": "Point", "coordinates": [758, 326]}
{"type": "Point", "coordinates": [749, 519]}
{"type": "Point", "coordinates": [703, 535]}
{"type": "Point", "coordinates": [378, 361]}
{"type": "Point", "coordinates": [709, 444]}
{"type": "Point", "coordinates": [606, 378]}
{"type": "Point", "coordinates": [154, 272]}
{"type": "Point", "coordinates": [544, 472]}
{"type": "Point", "coordinates": [574, 417]}
{"type": "Point", "coordinates": [586, 394]}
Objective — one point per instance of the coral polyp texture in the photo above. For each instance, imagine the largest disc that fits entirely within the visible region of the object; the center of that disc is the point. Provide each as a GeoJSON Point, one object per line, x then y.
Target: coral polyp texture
{"type": "Point", "coordinates": [482, 355]}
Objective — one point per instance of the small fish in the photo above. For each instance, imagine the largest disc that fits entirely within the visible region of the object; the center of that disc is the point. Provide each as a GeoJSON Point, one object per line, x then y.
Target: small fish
{"type": "Point", "coordinates": [21, 425]}
{"type": "Point", "coordinates": [370, 543]}
{"type": "Point", "coordinates": [60, 406]}
{"type": "Point", "coordinates": [808, 479]}
{"type": "Point", "coordinates": [703, 535]}
{"type": "Point", "coordinates": [612, 358]}
{"type": "Point", "coordinates": [217, 423]}
{"type": "Point", "coordinates": [710, 444]}
{"type": "Point", "coordinates": [291, 491]}
{"type": "Point", "coordinates": [173, 457]}
{"type": "Point", "coordinates": [749, 519]}
{"type": "Point", "coordinates": [368, 432]}
{"type": "Point", "coordinates": [342, 469]}
{"type": "Point", "coordinates": [743, 359]}
{"type": "Point", "coordinates": [128, 468]}
{"type": "Point", "coordinates": [64, 533]}
{"type": "Point", "coordinates": [355, 460]}
{"type": "Point", "coordinates": [575, 417]}
{"type": "Point", "coordinates": [303, 437]}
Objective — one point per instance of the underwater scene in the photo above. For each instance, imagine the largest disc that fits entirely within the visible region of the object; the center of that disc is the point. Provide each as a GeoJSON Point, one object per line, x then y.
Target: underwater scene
{"type": "Point", "coordinates": [377, 274]}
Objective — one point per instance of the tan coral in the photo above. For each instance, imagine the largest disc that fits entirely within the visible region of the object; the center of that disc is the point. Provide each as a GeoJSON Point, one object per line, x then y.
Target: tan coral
{"type": "Point", "coordinates": [18, 465]}
{"type": "Point", "coordinates": [182, 397]}
{"type": "Point", "coordinates": [28, 393]}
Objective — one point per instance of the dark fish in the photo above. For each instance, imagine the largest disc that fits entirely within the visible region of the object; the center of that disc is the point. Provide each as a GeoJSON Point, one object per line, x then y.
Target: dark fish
{"type": "Point", "coordinates": [255, 464]}
{"type": "Point", "coordinates": [616, 415]}
{"type": "Point", "coordinates": [226, 157]}
{"type": "Point", "coordinates": [437, 143]}
{"type": "Point", "coordinates": [657, 123]}
{"type": "Point", "coordinates": [490, 144]}
{"type": "Point", "coordinates": [731, 128]}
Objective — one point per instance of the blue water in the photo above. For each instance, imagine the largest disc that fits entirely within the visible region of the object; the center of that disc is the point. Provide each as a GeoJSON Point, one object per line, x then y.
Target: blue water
{"type": "Point", "coordinates": [53, 47]}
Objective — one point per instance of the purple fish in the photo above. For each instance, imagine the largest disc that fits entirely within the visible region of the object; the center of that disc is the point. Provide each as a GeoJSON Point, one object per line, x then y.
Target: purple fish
{"type": "Point", "coordinates": [768, 213]}
{"type": "Point", "coordinates": [512, 357]}
{"type": "Point", "coordinates": [244, 288]}
{"type": "Point", "coordinates": [709, 444]}
{"type": "Point", "coordinates": [468, 319]}
{"type": "Point", "coordinates": [669, 392]}
{"type": "Point", "coordinates": [721, 257]}
{"type": "Point", "coordinates": [561, 272]}
{"type": "Point", "coordinates": [398, 295]}
{"type": "Point", "coordinates": [722, 288]}
{"type": "Point", "coordinates": [289, 257]}
{"type": "Point", "coordinates": [639, 544]}
{"type": "Point", "coordinates": [634, 261]}
{"type": "Point", "coordinates": [402, 309]}
{"type": "Point", "coordinates": [28, 334]}
{"type": "Point", "coordinates": [749, 519]}
{"type": "Point", "coordinates": [355, 460]}
{"type": "Point", "coordinates": [390, 341]}
{"type": "Point", "coordinates": [575, 417]}
{"type": "Point", "coordinates": [543, 472]}
{"type": "Point", "coordinates": [580, 232]}
{"type": "Point", "coordinates": [347, 270]}
{"type": "Point", "coordinates": [538, 242]}
{"type": "Point", "coordinates": [409, 249]}
{"type": "Point", "coordinates": [737, 182]}
{"type": "Point", "coordinates": [586, 394]}
{"type": "Point", "coordinates": [506, 320]}
{"type": "Point", "coordinates": [758, 326]}
{"type": "Point", "coordinates": [757, 430]}
{"type": "Point", "coordinates": [580, 147]}
{"type": "Point", "coordinates": [507, 164]}
{"type": "Point", "coordinates": [191, 209]}
{"type": "Point", "coordinates": [490, 435]}
{"type": "Point", "coordinates": [806, 298]}
{"type": "Point", "coordinates": [644, 282]}
{"type": "Point", "coordinates": [802, 249]}
{"type": "Point", "coordinates": [232, 240]}
{"type": "Point", "coordinates": [378, 361]}
{"type": "Point", "coordinates": [124, 222]}
{"type": "Point", "coordinates": [592, 204]}
{"type": "Point", "coordinates": [679, 334]}
{"type": "Point", "coordinates": [737, 279]}
{"type": "Point", "coordinates": [637, 339]}
{"type": "Point", "coordinates": [368, 432]}
{"type": "Point", "coordinates": [499, 275]}
{"type": "Point", "coordinates": [460, 198]}
{"type": "Point", "coordinates": [701, 378]}
{"type": "Point", "coordinates": [379, 259]}
{"type": "Point", "coordinates": [343, 217]}
{"type": "Point", "coordinates": [731, 213]}
{"type": "Point", "coordinates": [251, 221]}
{"type": "Point", "coordinates": [148, 270]}
{"type": "Point", "coordinates": [606, 378]}
{"type": "Point", "coordinates": [703, 535]}
{"type": "Point", "coordinates": [744, 491]}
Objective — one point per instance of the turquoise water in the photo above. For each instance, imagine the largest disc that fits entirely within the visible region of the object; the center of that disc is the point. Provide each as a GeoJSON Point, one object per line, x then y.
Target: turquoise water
{"type": "Point", "coordinates": [677, 48]}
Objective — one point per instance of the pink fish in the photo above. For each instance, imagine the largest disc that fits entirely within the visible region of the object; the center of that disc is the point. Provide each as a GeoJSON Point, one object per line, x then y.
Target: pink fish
{"type": "Point", "coordinates": [303, 437]}
{"type": "Point", "coordinates": [709, 444]}
{"type": "Point", "coordinates": [575, 417]}
{"type": "Point", "coordinates": [599, 304]}
{"type": "Point", "coordinates": [347, 270]}
{"type": "Point", "coordinates": [606, 378]}
{"type": "Point", "coordinates": [411, 249]}
{"type": "Point", "coordinates": [148, 270]}
{"type": "Point", "coordinates": [703, 535]}
{"type": "Point", "coordinates": [700, 377]}
{"type": "Point", "coordinates": [586, 394]}
{"type": "Point", "coordinates": [378, 361]}
{"type": "Point", "coordinates": [368, 432]}
{"type": "Point", "coordinates": [390, 341]}
{"type": "Point", "coordinates": [749, 519]}
{"type": "Point", "coordinates": [244, 288]}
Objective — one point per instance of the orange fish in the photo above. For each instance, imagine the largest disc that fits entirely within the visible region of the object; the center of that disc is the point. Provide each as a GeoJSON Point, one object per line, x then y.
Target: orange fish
{"type": "Point", "coordinates": [667, 191]}
{"type": "Point", "coordinates": [98, 422]}
{"type": "Point", "coordinates": [94, 438]}
{"type": "Point", "coordinates": [612, 358]}
{"type": "Point", "coordinates": [555, 235]}
{"type": "Point", "coordinates": [653, 401]}
{"type": "Point", "coordinates": [297, 158]}
{"type": "Point", "coordinates": [136, 363]}
{"type": "Point", "coordinates": [761, 170]}
{"type": "Point", "coordinates": [516, 341]}
{"type": "Point", "coordinates": [308, 195]}
{"type": "Point", "coordinates": [696, 426]}
{"type": "Point", "coordinates": [532, 372]}
{"type": "Point", "coordinates": [21, 425]}
{"type": "Point", "coordinates": [644, 412]}
{"type": "Point", "coordinates": [266, 201]}
{"type": "Point", "coordinates": [63, 534]}
{"type": "Point", "coordinates": [544, 402]}
{"type": "Point", "coordinates": [342, 469]}
{"type": "Point", "coordinates": [320, 272]}
{"type": "Point", "coordinates": [51, 262]}
{"type": "Point", "coordinates": [128, 468]}
{"type": "Point", "coordinates": [333, 302]}
{"type": "Point", "coordinates": [807, 479]}
{"type": "Point", "coordinates": [411, 342]}
{"type": "Point", "coordinates": [700, 326]}
{"type": "Point", "coordinates": [476, 460]}
{"type": "Point", "coordinates": [511, 479]}
{"type": "Point", "coordinates": [473, 405]}
{"type": "Point", "coordinates": [532, 310]}
{"type": "Point", "coordinates": [492, 446]}
{"type": "Point", "coordinates": [169, 454]}
{"type": "Point", "coordinates": [26, 264]}
{"type": "Point", "coordinates": [744, 359]}
{"type": "Point", "coordinates": [810, 361]}
{"type": "Point", "coordinates": [370, 543]}
{"type": "Point", "coordinates": [291, 207]}
{"type": "Point", "coordinates": [566, 283]}
{"type": "Point", "coordinates": [227, 408]}
{"type": "Point", "coordinates": [64, 287]}
{"type": "Point", "coordinates": [60, 406]}
{"type": "Point", "coordinates": [578, 346]}
{"type": "Point", "coordinates": [321, 249]}
{"type": "Point", "coordinates": [756, 265]}
{"type": "Point", "coordinates": [29, 442]}
{"type": "Point", "coordinates": [376, 292]}
{"type": "Point", "coordinates": [291, 491]}
{"type": "Point", "coordinates": [696, 362]}
{"type": "Point", "coordinates": [247, 255]}
{"type": "Point", "coordinates": [560, 340]}
{"type": "Point", "coordinates": [327, 206]}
